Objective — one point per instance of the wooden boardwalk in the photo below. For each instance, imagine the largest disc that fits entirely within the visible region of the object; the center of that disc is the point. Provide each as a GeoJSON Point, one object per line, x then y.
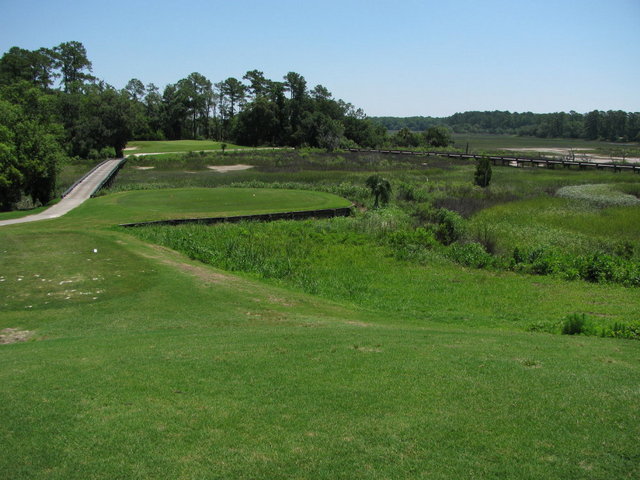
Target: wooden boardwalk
{"type": "Point", "coordinates": [86, 187]}
{"type": "Point", "coordinates": [514, 161]}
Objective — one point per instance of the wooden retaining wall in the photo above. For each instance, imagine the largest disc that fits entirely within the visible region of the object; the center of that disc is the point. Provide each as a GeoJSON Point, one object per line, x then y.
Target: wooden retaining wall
{"type": "Point", "coordinates": [512, 161]}
{"type": "Point", "coordinates": [265, 217]}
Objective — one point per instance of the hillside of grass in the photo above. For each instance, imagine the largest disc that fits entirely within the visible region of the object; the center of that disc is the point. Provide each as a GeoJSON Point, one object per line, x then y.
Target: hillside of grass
{"type": "Point", "coordinates": [339, 348]}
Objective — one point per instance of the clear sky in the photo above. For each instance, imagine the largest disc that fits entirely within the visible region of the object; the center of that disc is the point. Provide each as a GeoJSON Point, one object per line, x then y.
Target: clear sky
{"type": "Point", "coordinates": [400, 58]}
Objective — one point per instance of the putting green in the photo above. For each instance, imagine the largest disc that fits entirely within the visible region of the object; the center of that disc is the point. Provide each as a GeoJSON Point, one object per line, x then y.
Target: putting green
{"type": "Point", "coordinates": [150, 205]}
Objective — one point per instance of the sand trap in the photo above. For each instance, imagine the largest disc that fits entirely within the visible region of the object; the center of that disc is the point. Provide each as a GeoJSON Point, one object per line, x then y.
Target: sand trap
{"type": "Point", "coordinates": [128, 149]}
{"type": "Point", "coordinates": [229, 168]}
{"type": "Point", "coordinates": [144, 168]}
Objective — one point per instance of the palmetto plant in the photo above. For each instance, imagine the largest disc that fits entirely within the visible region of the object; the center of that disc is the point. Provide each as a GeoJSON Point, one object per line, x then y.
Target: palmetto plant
{"type": "Point", "coordinates": [380, 189]}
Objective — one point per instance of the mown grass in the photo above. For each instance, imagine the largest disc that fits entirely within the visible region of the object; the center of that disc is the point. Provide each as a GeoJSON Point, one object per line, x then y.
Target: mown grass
{"type": "Point", "coordinates": [167, 204]}
{"type": "Point", "coordinates": [149, 146]}
{"type": "Point", "coordinates": [178, 370]}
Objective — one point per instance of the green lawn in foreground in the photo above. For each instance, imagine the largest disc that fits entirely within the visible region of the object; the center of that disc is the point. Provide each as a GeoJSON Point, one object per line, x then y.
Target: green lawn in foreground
{"type": "Point", "coordinates": [148, 146]}
{"type": "Point", "coordinates": [148, 365]}
{"type": "Point", "coordinates": [145, 364]}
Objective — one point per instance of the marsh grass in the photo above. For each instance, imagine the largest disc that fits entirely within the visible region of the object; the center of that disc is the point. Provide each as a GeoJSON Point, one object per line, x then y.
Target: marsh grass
{"type": "Point", "coordinates": [602, 195]}
{"type": "Point", "coordinates": [379, 260]}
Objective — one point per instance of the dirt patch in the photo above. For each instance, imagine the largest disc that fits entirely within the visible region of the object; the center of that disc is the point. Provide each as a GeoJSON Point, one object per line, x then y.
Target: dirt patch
{"type": "Point", "coordinates": [362, 349]}
{"type": "Point", "coordinates": [201, 272]}
{"type": "Point", "coordinates": [281, 301]}
{"type": "Point", "coordinates": [229, 168]}
{"type": "Point", "coordinates": [13, 335]}
{"type": "Point", "coordinates": [358, 324]}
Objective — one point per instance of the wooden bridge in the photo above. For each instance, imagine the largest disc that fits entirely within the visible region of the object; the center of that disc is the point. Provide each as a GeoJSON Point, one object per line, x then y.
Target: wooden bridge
{"type": "Point", "coordinates": [86, 187]}
{"type": "Point", "coordinates": [513, 161]}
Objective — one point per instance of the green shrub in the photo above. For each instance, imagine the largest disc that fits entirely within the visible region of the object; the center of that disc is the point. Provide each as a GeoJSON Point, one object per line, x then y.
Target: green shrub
{"type": "Point", "coordinates": [544, 326]}
{"type": "Point", "coordinates": [422, 213]}
{"type": "Point", "coordinates": [574, 324]}
{"type": "Point", "coordinates": [622, 330]}
{"type": "Point", "coordinates": [486, 236]}
{"type": "Point", "coordinates": [597, 268]}
{"type": "Point", "coordinates": [625, 250]}
{"type": "Point", "coordinates": [482, 175]}
{"type": "Point", "coordinates": [470, 255]}
{"type": "Point", "coordinates": [408, 244]}
{"type": "Point", "coordinates": [450, 228]}
{"type": "Point", "coordinates": [406, 192]}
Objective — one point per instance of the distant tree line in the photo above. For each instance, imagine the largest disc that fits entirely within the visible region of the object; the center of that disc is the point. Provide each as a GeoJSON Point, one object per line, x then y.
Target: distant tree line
{"type": "Point", "coordinates": [252, 111]}
{"type": "Point", "coordinates": [613, 126]}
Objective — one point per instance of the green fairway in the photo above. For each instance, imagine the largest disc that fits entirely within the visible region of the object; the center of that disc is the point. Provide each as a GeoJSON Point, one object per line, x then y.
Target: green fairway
{"type": "Point", "coordinates": [314, 349]}
{"type": "Point", "coordinates": [165, 204]}
{"type": "Point", "coordinates": [141, 146]}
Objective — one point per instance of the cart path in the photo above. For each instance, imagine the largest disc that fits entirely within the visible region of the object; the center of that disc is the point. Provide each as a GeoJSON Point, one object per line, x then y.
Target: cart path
{"type": "Point", "coordinates": [81, 192]}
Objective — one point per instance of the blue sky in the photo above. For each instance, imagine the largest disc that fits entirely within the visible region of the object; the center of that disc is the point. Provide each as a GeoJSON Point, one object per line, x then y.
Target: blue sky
{"type": "Point", "coordinates": [398, 58]}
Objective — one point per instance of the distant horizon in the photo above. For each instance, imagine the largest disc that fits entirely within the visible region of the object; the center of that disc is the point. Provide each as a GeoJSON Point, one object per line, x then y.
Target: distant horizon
{"type": "Point", "coordinates": [494, 110]}
{"type": "Point", "coordinates": [402, 59]}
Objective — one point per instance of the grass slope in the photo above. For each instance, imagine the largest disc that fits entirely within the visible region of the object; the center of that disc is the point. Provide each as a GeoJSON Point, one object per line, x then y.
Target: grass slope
{"type": "Point", "coordinates": [326, 258]}
{"type": "Point", "coordinates": [146, 364]}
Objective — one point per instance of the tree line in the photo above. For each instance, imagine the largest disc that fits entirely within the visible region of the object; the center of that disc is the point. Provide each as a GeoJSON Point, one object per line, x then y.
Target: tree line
{"type": "Point", "coordinates": [612, 125]}
{"type": "Point", "coordinates": [52, 108]}
{"type": "Point", "coordinates": [251, 111]}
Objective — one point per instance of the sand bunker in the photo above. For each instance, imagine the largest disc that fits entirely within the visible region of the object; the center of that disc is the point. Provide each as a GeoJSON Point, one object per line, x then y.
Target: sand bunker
{"type": "Point", "coordinates": [229, 168]}
{"type": "Point", "coordinates": [144, 168]}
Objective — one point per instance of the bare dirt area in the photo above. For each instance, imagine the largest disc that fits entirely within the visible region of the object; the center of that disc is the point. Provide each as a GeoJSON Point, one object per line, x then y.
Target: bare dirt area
{"type": "Point", "coordinates": [13, 335]}
{"type": "Point", "coordinates": [229, 168]}
{"type": "Point", "coordinates": [577, 154]}
{"type": "Point", "coordinates": [168, 257]}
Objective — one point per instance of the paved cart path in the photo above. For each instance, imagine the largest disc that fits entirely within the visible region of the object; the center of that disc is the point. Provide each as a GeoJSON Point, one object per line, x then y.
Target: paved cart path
{"type": "Point", "coordinates": [81, 192]}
